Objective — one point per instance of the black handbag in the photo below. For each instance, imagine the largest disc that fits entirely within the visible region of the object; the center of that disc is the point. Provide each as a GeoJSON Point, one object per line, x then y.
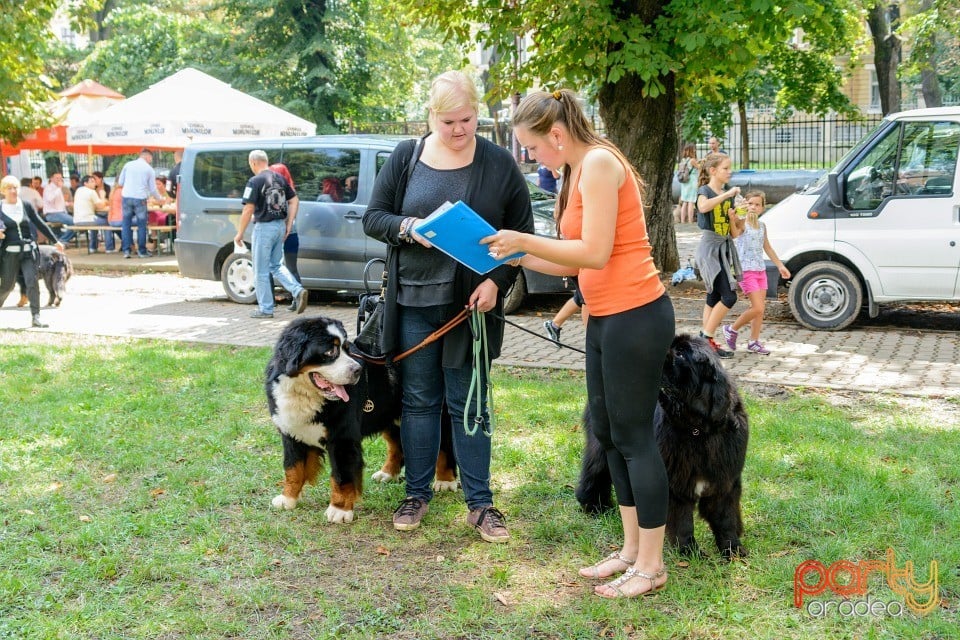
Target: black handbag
{"type": "Point", "coordinates": [369, 340]}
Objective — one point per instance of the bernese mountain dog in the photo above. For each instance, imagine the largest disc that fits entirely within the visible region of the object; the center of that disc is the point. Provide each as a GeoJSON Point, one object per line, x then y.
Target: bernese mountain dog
{"type": "Point", "coordinates": [324, 402]}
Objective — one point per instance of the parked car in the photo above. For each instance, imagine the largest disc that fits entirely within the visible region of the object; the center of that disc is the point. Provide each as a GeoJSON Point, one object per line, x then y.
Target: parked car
{"type": "Point", "coordinates": [881, 226]}
{"type": "Point", "coordinates": [776, 184]}
{"type": "Point", "coordinates": [333, 246]}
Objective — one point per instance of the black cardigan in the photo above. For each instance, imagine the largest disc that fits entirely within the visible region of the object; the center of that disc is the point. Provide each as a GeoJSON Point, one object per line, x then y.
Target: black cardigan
{"type": "Point", "coordinates": [23, 232]}
{"type": "Point", "coordinates": [497, 191]}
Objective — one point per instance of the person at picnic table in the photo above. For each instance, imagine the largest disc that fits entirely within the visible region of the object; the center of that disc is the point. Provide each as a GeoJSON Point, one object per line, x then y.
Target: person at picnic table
{"type": "Point", "coordinates": [159, 205]}
{"type": "Point", "coordinates": [55, 207]}
{"type": "Point", "coordinates": [139, 182]}
{"type": "Point", "coordinates": [90, 209]}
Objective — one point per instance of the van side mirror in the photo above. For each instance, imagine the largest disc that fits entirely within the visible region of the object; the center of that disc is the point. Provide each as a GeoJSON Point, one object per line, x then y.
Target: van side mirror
{"type": "Point", "coordinates": [833, 186]}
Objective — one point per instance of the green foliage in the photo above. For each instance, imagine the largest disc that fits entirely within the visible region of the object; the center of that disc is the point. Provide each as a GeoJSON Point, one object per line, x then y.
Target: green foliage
{"type": "Point", "coordinates": [146, 46]}
{"type": "Point", "coordinates": [24, 85]}
{"type": "Point", "coordinates": [932, 29]}
{"type": "Point", "coordinates": [333, 61]}
{"type": "Point", "coordinates": [327, 61]}
{"type": "Point", "coordinates": [708, 52]}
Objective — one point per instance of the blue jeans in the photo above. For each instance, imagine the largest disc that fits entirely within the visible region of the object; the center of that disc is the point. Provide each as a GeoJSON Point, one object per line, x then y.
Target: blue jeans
{"type": "Point", "coordinates": [64, 218]}
{"type": "Point", "coordinates": [93, 237]}
{"type": "Point", "coordinates": [426, 385]}
{"type": "Point", "coordinates": [267, 241]}
{"type": "Point", "coordinates": [134, 208]}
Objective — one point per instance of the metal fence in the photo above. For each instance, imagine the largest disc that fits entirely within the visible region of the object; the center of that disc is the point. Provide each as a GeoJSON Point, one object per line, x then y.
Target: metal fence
{"type": "Point", "coordinates": [798, 143]}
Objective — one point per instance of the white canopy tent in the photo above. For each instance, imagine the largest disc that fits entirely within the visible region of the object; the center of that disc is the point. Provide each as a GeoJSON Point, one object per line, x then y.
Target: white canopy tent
{"type": "Point", "coordinates": [189, 106]}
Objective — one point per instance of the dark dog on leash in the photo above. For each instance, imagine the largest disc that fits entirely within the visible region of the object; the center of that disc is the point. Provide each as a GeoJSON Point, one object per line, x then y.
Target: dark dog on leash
{"type": "Point", "coordinates": [54, 269]}
{"type": "Point", "coordinates": [702, 433]}
{"type": "Point", "coordinates": [324, 402]}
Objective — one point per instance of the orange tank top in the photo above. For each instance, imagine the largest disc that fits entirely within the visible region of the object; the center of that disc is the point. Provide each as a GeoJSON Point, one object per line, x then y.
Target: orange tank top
{"type": "Point", "coordinates": [629, 279]}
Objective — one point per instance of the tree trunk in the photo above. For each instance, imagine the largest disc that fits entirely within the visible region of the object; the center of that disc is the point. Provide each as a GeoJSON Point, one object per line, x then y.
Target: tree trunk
{"type": "Point", "coordinates": [883, 19]}
{"type": "Point", "coordinates": [744, 135]}
{"type": "Point", "coordinates": [932, 95]}
{"type": "Point", "coordinates": [643, 128]}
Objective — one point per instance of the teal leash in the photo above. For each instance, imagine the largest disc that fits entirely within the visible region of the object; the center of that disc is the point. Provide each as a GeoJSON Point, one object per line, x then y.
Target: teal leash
{"type": "Point", "coordinates": [481, 370]}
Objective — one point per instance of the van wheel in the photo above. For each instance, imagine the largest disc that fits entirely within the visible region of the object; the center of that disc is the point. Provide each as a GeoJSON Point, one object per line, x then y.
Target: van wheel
{"type": "Point", "coordinates": [237, 278]}
{"type": "Point", "coordinates": [825, 295]}
{"type": "Point", "coordinates": [515, 295]}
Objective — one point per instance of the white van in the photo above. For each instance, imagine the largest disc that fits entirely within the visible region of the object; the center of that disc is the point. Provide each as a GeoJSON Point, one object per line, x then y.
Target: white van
{"type": "Point", "coordinates": [333, 246]}
{"type": "Point", "coordinates": [882, 226]}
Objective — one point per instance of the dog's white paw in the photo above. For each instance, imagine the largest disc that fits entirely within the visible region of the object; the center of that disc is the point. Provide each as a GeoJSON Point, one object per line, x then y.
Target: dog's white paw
{"type": "Point", "coordinates": [381, 476]}
{"type": "Point", "coordinates": [446, 485]}
{"type": "Point", "coordinates": [283, 502]}
{"type": "Point", "coordinates": [339, 516]}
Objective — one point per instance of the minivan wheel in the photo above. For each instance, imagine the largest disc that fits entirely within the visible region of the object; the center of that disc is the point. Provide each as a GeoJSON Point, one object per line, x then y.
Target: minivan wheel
{"type": "Point", "coordinates": [515, 294]}
{"type": "Point", "coordinates": [237, 278]}
{"type": "Point", "coordinates": [825, 295]}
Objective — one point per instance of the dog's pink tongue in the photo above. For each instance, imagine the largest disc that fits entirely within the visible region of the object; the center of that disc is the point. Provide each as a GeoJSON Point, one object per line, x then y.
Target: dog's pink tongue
{"type": "Point", "coordinates": [341, 392]}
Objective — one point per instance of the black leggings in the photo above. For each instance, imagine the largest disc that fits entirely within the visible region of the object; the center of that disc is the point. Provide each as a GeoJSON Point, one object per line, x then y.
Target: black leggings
{"type": "Point", "coordinates": [14, 267]}
{"type": "Point", "coordinates": [625, 354]}
{"type": "Point", "coordinates": [722, 291]}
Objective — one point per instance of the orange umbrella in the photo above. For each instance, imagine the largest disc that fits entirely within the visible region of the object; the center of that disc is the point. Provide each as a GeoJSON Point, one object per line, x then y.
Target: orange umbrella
{"type": "Point", "coordinates": [76, 104]}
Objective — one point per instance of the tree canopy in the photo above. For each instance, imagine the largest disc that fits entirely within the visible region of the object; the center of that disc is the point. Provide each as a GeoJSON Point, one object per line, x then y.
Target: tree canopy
{"type": "Point", "coordinates": [24, 85]}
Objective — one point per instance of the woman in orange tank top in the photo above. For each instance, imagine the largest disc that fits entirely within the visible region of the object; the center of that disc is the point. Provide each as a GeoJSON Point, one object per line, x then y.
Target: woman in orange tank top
{"type": "Point", "coordinates": [605, 244]}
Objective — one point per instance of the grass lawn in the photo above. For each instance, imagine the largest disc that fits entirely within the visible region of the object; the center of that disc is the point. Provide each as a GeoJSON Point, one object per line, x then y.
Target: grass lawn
{"type": "Point", "coordinates": [136, 479]}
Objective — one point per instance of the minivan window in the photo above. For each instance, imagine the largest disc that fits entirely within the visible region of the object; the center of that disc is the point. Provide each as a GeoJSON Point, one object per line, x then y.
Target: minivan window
{"type": "Point", "coordinates": [871, 180]}
{"type": "Point", "coordinates": [224, 174]}
{"type": "Point", "coordinates": [324, 174]}
{"type": "Point", "coordinates": [382, 158]}
{"type": "Point", "coordinates": [913, 159]}
{"type": "Point", "coordinates": [929, 158]}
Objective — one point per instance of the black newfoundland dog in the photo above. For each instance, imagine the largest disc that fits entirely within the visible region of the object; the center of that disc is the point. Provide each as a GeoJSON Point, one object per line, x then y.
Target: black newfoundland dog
{"type": "Point", "coordinates": [702, 433]}
{"type": "Point", "coordinates": [324, 402]}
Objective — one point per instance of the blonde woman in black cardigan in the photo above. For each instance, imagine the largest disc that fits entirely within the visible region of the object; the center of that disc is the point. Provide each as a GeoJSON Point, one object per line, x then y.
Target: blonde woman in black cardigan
{"type": "Point", "coordinates": [426, 288]}
{"type": "Point", "coordinates": [18, 249]}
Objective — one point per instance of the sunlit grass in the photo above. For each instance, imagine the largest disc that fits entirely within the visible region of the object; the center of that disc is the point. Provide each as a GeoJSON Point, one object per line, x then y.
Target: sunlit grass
{"type": "Point", "coordinates": [136, 477]}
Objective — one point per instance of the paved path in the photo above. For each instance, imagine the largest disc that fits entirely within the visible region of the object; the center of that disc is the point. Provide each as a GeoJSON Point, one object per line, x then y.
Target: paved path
{"type": "Point", "coordinates": [163, 305]}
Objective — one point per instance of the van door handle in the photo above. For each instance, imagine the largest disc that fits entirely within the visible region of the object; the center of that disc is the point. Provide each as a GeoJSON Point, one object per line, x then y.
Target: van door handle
{"type": "Point", "coordinates": [353, 215]}
{"type": "Point", "coordinates": [223, 211]}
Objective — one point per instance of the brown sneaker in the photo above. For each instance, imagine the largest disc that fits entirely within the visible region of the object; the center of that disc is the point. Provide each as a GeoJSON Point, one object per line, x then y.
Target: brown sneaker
{"type": "Point", "coordinates": [408, 515]}
{"type": "Point", "coordinates": [490, 522]}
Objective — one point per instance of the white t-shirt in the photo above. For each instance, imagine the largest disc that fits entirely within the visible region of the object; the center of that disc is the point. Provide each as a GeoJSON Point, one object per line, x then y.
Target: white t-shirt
{"type": "Point", "coordinates": [85, 205]}
{"type": "Point", "coordinates": [53, 200]}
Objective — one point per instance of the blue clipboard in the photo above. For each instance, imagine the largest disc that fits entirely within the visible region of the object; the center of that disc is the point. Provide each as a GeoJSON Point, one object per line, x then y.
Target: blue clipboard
{"type": "Point", "coordinates": [456, 229]}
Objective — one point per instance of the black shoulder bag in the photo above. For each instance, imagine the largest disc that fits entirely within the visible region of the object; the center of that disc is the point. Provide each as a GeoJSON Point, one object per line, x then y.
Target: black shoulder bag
{"type": "Point", "coordinates": [370, 315]}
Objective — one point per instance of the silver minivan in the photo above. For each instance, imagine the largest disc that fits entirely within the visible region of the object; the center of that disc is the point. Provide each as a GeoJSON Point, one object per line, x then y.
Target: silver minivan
{"type": "Point", "coordinates": [334, 178]}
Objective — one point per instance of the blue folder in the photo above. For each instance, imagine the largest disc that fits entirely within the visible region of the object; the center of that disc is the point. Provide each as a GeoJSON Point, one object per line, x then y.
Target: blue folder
{"type": "Point", "coordinates": [456, 230]}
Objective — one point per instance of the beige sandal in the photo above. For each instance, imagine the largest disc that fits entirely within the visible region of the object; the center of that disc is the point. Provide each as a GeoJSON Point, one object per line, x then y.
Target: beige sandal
{"type": "Point", "coordinates": [629, 575]}
{"type": "Point", "coordinates": [596, 567]}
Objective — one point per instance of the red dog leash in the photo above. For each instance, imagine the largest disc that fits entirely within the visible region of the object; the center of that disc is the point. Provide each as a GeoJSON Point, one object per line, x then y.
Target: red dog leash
{"type": "Point", "coordinates": [433, 337]}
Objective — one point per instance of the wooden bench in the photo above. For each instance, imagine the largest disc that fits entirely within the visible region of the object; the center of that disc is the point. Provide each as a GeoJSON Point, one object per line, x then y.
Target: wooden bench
{"type": "Point", "coordinates": [165, 233]}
